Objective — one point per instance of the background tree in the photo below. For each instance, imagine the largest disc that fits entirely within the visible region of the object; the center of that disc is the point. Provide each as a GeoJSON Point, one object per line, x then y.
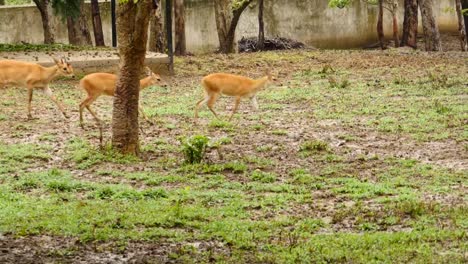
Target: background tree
{"type": "Point", "coordinates": [45, 9]}
{"type": "Point", "coordinates": [97, 24]}
{"type": "Point", "coordinates": [132, 30]}
{"type": "Point", "coordinates": [73, 12]}
{"type": "Point", "coordinates": [410, 24]}
{"type": "Point", "coordinates": [2, 2]}
{"type": "Point", "coordinates": [227, 14]}
{"type": "Point", "coordinates": [461, 25]}
{"type": "Point", "coordinates": [179, 17]}
{"type": "Point", "coordinates": [393, 7]}
{"type": "Point", "coordinates": [465, 16]}
{"type": "Point", "coordinates": [430, 27]}
{"type": "Point", "coordinates": [261, 26]}
{"type": "Point", "coordinates": [380, 32]}
{"type": "Point", "coordinates": [157, 42]}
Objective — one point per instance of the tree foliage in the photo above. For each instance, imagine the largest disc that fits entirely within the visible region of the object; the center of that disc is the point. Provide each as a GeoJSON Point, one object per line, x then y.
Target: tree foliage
{"type": "Point", "coordinates": [66, 8]}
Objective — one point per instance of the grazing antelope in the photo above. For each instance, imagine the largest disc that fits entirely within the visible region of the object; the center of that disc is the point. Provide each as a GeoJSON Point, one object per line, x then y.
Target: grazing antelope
{"type": "Point", "coordinates": [232, 85]}
{"type": "Point", "coordinates": [34, 76]}
{"type": "Point", "coordinates": [97, 84]}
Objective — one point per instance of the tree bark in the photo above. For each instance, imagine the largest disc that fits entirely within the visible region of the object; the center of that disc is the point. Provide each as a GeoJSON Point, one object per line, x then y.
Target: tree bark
{"type": "Point", "coordinates": [179, 16]}
{"type": "Point", "coordinates": [380, 32]}
{"type": "Point", "coordinates": [157, 42]}
{"type": "Point", "coordinates": [132, 29]}
{"type": "Point", "coordinates": [261, 26]}
{"type": "Point", "coordinates": [410, 24]}
{"type": "Point", "coordinates": [97, 24]}
{"type": "Point", "coordinates": [226, 23]}
{"type": "Point", "coordinates": [430, 27]}
{"type": "Point", "coordinates": [461, 26]}
{"type": "Point", "coordinates": [396, 37]}
{"type": "Point", "coordinates": [45, 9]}
{"type": "Point", "coordinates": [78, 32]}
{"type": "Point", "coordinates": [465, 6]}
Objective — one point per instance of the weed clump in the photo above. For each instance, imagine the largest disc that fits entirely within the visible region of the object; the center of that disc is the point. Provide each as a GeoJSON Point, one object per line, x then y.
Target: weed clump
{"type": "Point", "coordinates": [194, 148]}
{"type": "Point", "coordinates": [314, 146]}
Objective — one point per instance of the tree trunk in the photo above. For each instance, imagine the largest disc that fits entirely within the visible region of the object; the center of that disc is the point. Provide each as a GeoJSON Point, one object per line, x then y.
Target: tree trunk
{"type": "Point", "coordinates": [2, 2]}
{"type": "Point", "coordinates": [132, 27]}
{"type": "Point", "coordinates": [461, 26]}
{"type": "Point", "coordinates": [430, 27]}
{"type": "Point", "coordinates": [45, 9]}
{"type": "Point", "coordinates": [465, 6]}
{"type": "Point", "coordinates": [179, 16]}
{"type": "Point", "coordinates": [97, 24]}
{"type": "Point", "coordinates": [78, 32]}
{"type": "Point", "coordinates": [410, 24]}
{"type": "Point", "coordinates": [396, 37]}
{"type": "Point", "coordinates": [380, 32]}
{"type": "Point", "coordinates": [226, 23]}
{"type": "Point", "coordinates": [261, 26]}
{"type": "Point", "coordinates": [157, 42]}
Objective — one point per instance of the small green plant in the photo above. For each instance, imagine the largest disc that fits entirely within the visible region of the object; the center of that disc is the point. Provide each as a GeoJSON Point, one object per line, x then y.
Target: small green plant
{"type": "Point", "coordinates": [194, 148]}
{"type": "Point", "coordinates": [264, 177]}
{"type": "Point", "coordinates": [314, 146]}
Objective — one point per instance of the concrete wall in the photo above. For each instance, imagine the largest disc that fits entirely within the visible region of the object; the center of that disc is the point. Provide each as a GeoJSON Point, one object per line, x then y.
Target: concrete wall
{"type": "Point", "coordinates": [309, 21]}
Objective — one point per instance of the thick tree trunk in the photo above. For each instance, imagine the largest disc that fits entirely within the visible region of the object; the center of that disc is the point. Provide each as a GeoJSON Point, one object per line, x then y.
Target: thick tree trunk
{"type": "Point", "coordinates": [132, 27]}
{"type": "Point", "coordinates": [97, 24]}
{"type": "Point", "coordinates": [179, 16]}
{"type": "Point", "coordinates": [430, 27]}
{"type": "Point", "coordinates": [396, 37]}
{"type": "Point", "coordinates": [380, 32]}
{"type": "Point", "coordinates": [461, 26]}
{"type": "Point", "coordinates": [226, 23]}
{"type": "Point", "coordinates": [45, 9]}
{"type": "Point", "coordinates": [410, 24]}
{"type": "Point", "coordinates": [261, 26]}
{"type": "Point", "coordinates": [157, 42]}
{"type": "Point", "coordinates": [78, 32]}
{"type": "Point", "coordinates": [223, 17]}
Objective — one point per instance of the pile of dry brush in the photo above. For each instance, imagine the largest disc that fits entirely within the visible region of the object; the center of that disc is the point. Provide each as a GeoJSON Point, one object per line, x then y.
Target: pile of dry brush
{"type": "Point", "coordinates": [278, 43]}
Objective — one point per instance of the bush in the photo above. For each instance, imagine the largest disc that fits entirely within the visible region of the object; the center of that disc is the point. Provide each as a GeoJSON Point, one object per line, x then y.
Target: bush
{"type": "Point", "coordinates": [194, 148]}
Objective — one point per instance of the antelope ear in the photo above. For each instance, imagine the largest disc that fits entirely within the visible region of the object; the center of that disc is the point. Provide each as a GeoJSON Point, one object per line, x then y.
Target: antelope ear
{"type": "Point", "coordinates": [55, 60]}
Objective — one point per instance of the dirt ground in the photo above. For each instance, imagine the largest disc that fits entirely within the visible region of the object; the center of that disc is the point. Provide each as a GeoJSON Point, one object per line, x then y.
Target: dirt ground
{"type": "Point", "coordinates": [276, 133]}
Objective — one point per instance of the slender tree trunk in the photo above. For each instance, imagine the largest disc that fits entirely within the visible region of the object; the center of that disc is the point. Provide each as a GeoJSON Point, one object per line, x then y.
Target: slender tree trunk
{"type": "Point", "coordinates": [157, 42]}
{"type": "Point", "coordinates": [410, 24]}
{"type": "Point", "coordinates": [132, 29]}
{"type": "Point", "coordinates": [226, 23]}
{"type": "Point", "coordinates": [430, 27]}
{"type": "Point", "coordinates": [396, 37]}
{"type": "Point", "coordinates": [78, 31]}
{"type": "Point", "coordinates": [45, 9]}
{"type": "Point", "coordinates": [465, 6]}
{"type": "Point", "coordinates": [179, 16]}
{"type": "Point", "coordinates": [380, 32]}
{"type": "Point", "coordinates": [261, 26]}
{"type": "Point", "coordinates": [461, 26]}
{"type": "Point", "coordinates": [97, 24]}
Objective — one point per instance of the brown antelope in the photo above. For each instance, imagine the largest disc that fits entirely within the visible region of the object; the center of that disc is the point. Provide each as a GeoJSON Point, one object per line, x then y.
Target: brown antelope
{"type": "Point", "coordinates": [231, 85]}
{"type": "Point", "coordinates": [34, 76]}
{"type": "Point", "coordinates": [97, 84]}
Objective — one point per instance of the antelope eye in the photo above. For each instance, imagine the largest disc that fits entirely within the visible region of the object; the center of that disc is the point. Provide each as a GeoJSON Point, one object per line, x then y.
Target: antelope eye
{"type": "Point", "coordinates": [65, 69]}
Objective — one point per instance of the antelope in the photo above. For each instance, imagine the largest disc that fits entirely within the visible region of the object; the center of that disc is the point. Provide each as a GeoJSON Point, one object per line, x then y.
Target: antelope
{"type": "Point", "coordinates": [34, 76]}
{"type": "Point", "coordinates": [97, 84]}
{"type": "Point", "coordinates": [231, 85]}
